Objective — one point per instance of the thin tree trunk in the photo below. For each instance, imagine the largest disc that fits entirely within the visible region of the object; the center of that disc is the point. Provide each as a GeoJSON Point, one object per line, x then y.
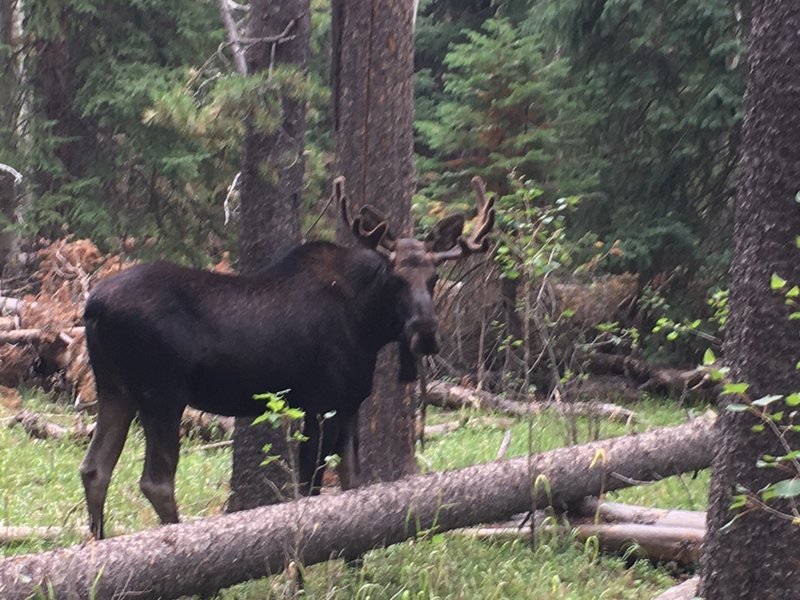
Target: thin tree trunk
{"type": "Point", "coordinates": [758, 555]}
{"type": "Point", "coordinates": [373, 60]}
{"type": "Point", "coordinates": [203, 556]}
{"type": "Point", "coordinates": [271, 190]}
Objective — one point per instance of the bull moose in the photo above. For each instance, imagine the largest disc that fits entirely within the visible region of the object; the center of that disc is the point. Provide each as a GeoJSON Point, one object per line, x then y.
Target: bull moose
{"type": "Point", "coordinates": [162, 337]}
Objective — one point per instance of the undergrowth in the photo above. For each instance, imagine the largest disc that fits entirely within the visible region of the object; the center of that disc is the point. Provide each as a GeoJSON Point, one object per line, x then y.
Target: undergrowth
{"type": "Point", "coordinates": [40, 486]}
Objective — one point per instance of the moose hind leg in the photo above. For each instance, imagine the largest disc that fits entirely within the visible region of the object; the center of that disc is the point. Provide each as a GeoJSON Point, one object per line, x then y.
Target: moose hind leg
{"type": "Point", "coordinates": [162, 445]}
{"type": "Point", "coordinates": [114, 416]}
{"type": "Point", "coordinates": [349, 470]}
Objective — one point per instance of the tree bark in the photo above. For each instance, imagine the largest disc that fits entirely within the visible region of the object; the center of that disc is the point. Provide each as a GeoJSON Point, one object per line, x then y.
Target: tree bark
{"type": "Point", "coordinates": [206, 555]}
{"type": "Point", "coordinates": [372, 64]}
{"type": "Point", "coordinates": [10, 108]}
{"type": "Point", "coordinates": [271, 191]}
{"type": "Point", "coordinates": [757, 555]}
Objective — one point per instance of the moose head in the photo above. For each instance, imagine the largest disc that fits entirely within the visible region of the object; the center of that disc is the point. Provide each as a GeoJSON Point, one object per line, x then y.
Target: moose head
{"type": "Point", "coordinates": [412, 263]}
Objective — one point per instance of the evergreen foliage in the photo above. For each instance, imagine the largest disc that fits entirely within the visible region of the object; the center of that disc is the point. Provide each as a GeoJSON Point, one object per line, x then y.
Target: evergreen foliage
{"type": "Point", "coordinates": [667, 79]}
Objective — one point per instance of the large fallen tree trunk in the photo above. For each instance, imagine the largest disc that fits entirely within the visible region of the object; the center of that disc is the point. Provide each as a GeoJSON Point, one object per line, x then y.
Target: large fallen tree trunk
{"type": "Point", "coordinates": [448, 395]}
{"type": "Point", "coordinates": [203, 556]}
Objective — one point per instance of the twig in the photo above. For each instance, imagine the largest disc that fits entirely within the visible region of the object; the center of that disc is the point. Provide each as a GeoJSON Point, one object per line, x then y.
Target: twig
{"type": "Point", "coordinates": [12, 171]}
{"type": "Point", "coordinates": [503, 449]}
{"type": "Point", "coordinates": [233, 37]}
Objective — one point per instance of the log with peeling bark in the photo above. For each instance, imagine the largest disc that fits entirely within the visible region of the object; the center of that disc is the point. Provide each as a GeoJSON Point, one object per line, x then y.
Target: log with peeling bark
{"type": "Point", "coordinates": [204, 556]}
{"type": "Point", "coordinates": [453, 396]}
{"type": "Point", "coordinates": [615, 512]}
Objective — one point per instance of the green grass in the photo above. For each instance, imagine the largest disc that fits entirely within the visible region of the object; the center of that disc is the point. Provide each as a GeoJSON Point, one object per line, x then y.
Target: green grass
{"type": "Point", "coordinates": [39, 485]}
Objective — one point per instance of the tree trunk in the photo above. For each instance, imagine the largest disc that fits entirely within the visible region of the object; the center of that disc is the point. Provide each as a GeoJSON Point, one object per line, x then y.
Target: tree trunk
{"type": "Point", "coordinates": [757, 556]}
{"type": "Point", "coordinates": [271, 190]}
{"type": "Point", "coordinates": [373, 61]}
{"type": "Point", "coordinates": [203, 556]}
{"type": "Point", "coordinates": [10, 105]}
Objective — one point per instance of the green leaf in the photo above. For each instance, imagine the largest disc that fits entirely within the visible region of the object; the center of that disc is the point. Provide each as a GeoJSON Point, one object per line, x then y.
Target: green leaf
{"type": "Point", "coordinates": [767, 400]}
{"type": "Point", "coordinates": [737, 407]}
{"type": "Point", "coordinates": [709, 358]}
{"type": "Point", "coordinates": [793, 399]}
{"type": "Point", "coordinates": [776, 282]}
{"type": "Point", "coordinates": [735, 388]}
{"type": "Point", "coordinates": [672, 336]}
{"type": "Point", "coordinates": [788, 488]}
{"type": "Point", "coordinates": [757, 428]}
{"type": "Point", "coordinates": [794, 292]}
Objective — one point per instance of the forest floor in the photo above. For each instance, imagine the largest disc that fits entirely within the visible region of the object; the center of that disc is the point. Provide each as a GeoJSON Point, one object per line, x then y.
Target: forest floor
{"type": "Point", "coordinates": [40, 486]}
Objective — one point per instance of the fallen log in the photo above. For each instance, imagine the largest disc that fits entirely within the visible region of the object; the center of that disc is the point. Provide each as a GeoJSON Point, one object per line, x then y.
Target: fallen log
{"type": "Point", "coordinates": [450, 426]}
{"type": "Point", "coordinates": [18, 535]}
{"type": "Point", "coordinates": [206, 426]}
{"type": "Point", "coordinates": [680, 545]}
{"type": "Point", "coordinates": [453, 396]}
{"type": "Point", "coordinates": [14, 305]}
{"type": "Point", "coordinates": [206, 555]}
{"type": "Point", "coordinates": [650, 378]}
{"type": "Point", "coordinates": [38, 427]}
{"type": "Point", "coordinates": [615, 512]}
{"type": "Point", "coordinates": [655, 542]}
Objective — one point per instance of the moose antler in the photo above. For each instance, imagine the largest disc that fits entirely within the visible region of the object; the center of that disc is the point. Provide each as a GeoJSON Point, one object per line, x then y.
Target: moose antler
{"type": "Point", "coordinates": [369, 227]}
{"type": "Point", "coordinates": [478, 240]}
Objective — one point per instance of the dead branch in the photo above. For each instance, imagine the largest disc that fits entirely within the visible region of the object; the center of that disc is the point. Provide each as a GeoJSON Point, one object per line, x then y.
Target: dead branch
{"type": "Point", "coordinates": [203, 556]}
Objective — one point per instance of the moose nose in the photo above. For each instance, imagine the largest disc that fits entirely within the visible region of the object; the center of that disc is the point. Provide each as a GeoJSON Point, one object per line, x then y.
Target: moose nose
{"type": "Point", "coordinates": [421, 333]}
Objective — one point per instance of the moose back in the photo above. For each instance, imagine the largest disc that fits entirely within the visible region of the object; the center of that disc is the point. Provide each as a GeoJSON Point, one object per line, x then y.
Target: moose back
{"type": "Point", "coordinates": [162, 337]}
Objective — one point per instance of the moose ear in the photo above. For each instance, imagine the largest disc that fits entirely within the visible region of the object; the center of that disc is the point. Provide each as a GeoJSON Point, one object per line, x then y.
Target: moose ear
{"type": "Point", "coordinates": [445, 234]}
{"type": "Point", "coordinates": [371, 218]}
